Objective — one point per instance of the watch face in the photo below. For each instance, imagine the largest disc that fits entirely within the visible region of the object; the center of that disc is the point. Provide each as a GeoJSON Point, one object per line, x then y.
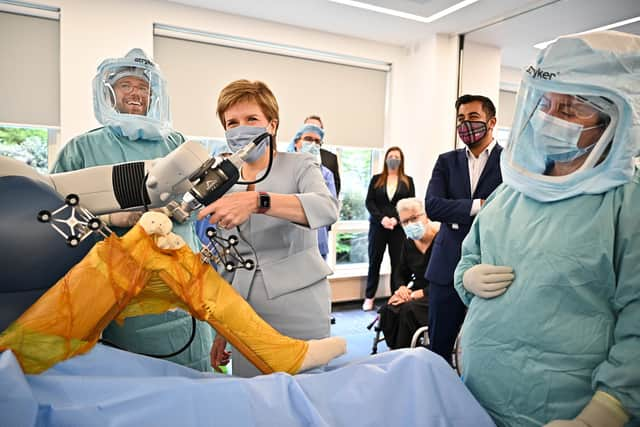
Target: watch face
{"type": "Point", "coordinates": [265, 201]}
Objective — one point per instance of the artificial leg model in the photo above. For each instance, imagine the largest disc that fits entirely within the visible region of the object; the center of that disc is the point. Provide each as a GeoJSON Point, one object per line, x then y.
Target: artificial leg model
{"type": "Point", "coordinates": [149, 271]}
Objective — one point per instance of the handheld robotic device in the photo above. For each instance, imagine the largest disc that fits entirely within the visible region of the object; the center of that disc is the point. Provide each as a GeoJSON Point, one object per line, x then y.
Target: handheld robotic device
{"type": "Point", "coordinates": [179, 183]}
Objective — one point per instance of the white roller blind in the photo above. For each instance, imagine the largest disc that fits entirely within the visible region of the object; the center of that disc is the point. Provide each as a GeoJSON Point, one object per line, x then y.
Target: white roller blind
{"type": "Point", "coordinates": [506, 108]}
{"type": "Point", "coordinates": [30, 70]}
{"type": "Point", "coordinates": [350, 100]}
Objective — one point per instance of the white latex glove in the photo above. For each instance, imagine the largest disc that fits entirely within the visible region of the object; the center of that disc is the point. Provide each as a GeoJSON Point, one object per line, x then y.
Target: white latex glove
{"type": "Point", "coordinates": [122, 219]}
{"type": "Point", "coordinates": [603, 410]}
{"type": "Point", "coordinates": [487, 280]}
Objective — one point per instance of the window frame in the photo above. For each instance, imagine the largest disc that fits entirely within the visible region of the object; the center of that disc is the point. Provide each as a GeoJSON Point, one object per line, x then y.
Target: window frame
{"type": "Point", "coordinates": [353, 226]}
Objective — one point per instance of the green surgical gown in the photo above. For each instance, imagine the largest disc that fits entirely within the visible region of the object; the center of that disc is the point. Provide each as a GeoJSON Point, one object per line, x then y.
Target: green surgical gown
{"type": "Point", "coordinates": [569, 324]}
{"type": "Point", "coordinates": [153, 334]}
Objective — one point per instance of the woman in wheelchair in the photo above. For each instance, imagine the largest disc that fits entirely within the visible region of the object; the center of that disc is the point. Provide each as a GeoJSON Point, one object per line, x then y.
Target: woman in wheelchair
{"type": "Point", "coordinates": [407, 309]}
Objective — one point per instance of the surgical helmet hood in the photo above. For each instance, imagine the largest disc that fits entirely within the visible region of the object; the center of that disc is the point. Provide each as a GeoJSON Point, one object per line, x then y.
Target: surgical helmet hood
{"type": "Point", "coordinates": [577, 123]}
{"type": "Point", "coordinates": [127, 72]}
{"type": "Point", "coordinates": [154, 122]}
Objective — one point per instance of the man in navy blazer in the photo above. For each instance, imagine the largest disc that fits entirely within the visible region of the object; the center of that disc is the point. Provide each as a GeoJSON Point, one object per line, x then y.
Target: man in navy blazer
{"type": "Point", "coordinates": [460, 183]}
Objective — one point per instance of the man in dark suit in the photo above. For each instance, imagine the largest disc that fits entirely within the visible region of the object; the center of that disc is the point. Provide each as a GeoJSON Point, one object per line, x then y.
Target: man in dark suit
{"type": "Point", "coordinates": [461, 181]}
{"type": "Point", "coordinates": [327, 158]}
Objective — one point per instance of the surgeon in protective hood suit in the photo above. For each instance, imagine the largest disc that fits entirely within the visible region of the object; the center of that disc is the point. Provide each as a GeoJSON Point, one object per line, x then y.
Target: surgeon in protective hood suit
{"type": "Point", "coordinates": [550, 270]}
{"type": "Point", "coordinates": [130, 100]}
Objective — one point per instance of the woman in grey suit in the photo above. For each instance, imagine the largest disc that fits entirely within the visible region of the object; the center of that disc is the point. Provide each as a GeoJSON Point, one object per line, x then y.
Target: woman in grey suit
{"type": "Point", "coordinates": [275, 220]}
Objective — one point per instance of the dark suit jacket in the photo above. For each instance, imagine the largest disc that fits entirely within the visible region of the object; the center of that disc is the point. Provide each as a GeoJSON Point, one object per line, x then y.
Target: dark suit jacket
{"type": "Point", "coordinates": [449, 201]}
{"type": "Point", "coordinates": [378, 203]}
{"type": "Point", "coordinates": [330, 161]}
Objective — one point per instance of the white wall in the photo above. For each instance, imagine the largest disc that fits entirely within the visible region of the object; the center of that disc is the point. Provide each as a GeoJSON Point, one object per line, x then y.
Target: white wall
{"type": "Point", "coordinates": [422, 104]}
{"type": "Point", "coordinates": [507, 108]}
{"type": "Point", "coordinates": [510, 78]}
{"type": "Point", "coordinates": [481, 71]}
{"type": "Point", "coordinates": [92, 31]}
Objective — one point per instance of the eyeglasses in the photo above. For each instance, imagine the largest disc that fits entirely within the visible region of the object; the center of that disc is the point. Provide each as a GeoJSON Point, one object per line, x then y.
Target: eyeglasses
{"type": "Point", "coordinates": [127, 88]}
{"type": "Point", "coordinates": [312, 139]}
{"type": "Point", "coordinates": [411, 219]}
{"type": "Point", "coordinates": [567, 106]}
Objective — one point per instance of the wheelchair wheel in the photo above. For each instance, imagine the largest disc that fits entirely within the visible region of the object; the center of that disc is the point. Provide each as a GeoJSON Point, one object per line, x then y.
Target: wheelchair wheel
{"type": "Point", "coordinates": [420, 337]}
{"type": "Point", "coordinates": [457, 354]}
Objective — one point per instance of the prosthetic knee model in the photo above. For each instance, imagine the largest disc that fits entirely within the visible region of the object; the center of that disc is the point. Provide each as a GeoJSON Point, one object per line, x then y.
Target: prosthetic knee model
{"type": "Point", "coordinates": [147, 271]}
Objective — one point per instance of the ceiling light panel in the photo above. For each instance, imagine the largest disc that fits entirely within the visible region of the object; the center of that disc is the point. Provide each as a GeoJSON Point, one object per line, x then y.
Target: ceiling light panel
{"type": "Point", "coordinates": [622, 23]}
{"type": "Point", "coordinates": [405, 15]}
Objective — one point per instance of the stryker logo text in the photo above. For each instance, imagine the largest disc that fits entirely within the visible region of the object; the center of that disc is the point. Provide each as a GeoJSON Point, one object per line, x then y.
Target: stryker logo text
{"type": "Point", "coordinates": [538, 73]}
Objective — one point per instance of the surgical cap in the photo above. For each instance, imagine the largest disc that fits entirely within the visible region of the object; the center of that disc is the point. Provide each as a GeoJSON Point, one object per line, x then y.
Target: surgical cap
{"type": "Point", "coordinates": [305, 129]}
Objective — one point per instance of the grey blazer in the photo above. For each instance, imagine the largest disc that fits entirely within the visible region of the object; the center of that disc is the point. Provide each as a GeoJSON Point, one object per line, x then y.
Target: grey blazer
{"type": "Point", "coordinates": [286, 253]}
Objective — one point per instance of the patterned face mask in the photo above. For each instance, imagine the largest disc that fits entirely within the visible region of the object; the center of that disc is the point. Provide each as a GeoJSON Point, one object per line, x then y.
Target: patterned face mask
{"type": "Point", "coordinates": [471, 132]}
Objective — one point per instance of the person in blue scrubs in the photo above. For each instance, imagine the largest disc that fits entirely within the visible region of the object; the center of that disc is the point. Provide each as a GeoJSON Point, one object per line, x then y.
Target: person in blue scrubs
{"type": "Point", "coordinates": [550, 270]}
{"type": "Point", "coordinates": [309, 140]}
{"type": "Point", "coordinates": [131, 102]}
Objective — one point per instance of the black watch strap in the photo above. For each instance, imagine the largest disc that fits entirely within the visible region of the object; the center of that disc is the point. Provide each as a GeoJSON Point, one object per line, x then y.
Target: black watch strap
{"type": "Point", "coordinates": [264, 202]}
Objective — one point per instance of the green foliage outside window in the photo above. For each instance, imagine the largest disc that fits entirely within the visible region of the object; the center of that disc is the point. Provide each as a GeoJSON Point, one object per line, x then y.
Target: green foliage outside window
{"type": "Point", "coordinates": [355, 175]}
{"type": "Point", "coordinates": [351, 248]}
{"type": "Point", "coordinates": [26, 144]}
{"type": "Point", "coordinates": [353, 206]}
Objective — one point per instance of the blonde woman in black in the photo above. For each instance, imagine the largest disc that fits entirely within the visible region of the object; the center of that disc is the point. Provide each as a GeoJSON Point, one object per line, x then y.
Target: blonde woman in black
{"type": "Point", "coordinates": [385, 190]}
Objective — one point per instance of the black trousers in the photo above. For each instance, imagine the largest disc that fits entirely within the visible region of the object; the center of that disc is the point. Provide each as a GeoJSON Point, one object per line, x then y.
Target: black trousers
{"type": "Point", "coordinates": [400, 322]}
{"type": "Point", "coordinates": [446, 314]}
{"type": "Point", "coordinates": [379, 239]}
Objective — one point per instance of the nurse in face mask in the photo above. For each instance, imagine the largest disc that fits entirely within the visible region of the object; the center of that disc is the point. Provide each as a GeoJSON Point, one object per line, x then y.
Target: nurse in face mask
{"type": "Point", "coordinates": [309, 140]}
{"type": "Point", "coordinates": [550, 268]}
{"type": "Point", "coordinates": [385, 190]}
{"type": "Point", "coordinates": [276, 221]}
{"type": "Point", "coordinates": [407, 309]}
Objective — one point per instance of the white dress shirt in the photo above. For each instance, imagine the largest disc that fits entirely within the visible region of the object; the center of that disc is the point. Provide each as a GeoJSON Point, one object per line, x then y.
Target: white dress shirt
{"type": "Point", "coordinates": [476, 166]}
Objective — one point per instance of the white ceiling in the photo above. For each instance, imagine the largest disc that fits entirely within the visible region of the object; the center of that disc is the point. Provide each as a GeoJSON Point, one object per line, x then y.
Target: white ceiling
{"type": "Point", "coordinates": [513, 25]}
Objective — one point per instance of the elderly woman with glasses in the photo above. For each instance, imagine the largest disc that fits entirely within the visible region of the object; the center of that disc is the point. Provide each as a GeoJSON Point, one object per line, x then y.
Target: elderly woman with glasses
{"type": "Point", "coordinates": [407, 309]}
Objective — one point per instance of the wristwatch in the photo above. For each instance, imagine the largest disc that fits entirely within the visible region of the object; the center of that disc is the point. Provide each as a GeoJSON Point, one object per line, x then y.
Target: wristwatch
{"type": "Point", "coordinates": [264, 202]}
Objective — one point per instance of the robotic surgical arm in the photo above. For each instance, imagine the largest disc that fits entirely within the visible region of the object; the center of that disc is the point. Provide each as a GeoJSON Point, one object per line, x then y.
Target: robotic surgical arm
{"type": "Point", "coordinates": [187, 172]}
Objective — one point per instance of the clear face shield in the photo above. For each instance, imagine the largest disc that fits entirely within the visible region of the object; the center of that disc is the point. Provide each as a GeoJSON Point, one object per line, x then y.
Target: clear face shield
{"type": "Point", "coordinates": [556, 135]}
{"type": "Point", "coordinates": [128, 92]}
{"type": "Point", "coordinates": [131, 97]}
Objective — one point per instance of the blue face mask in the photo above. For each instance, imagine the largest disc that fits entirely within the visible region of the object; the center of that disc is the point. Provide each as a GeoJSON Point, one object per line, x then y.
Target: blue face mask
{"type": "Point", "coordinates": [240, 136]}
{"type": "Point", "coordinates": [558, 138]}
{"type": "Point", "coordinates": [414, 230]}
{"type": "Point", "coordinates": [311, 148]}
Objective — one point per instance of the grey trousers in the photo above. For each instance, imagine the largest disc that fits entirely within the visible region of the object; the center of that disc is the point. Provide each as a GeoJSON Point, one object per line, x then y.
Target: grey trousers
{"type": "Point", "coordinates": [304, 314]}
